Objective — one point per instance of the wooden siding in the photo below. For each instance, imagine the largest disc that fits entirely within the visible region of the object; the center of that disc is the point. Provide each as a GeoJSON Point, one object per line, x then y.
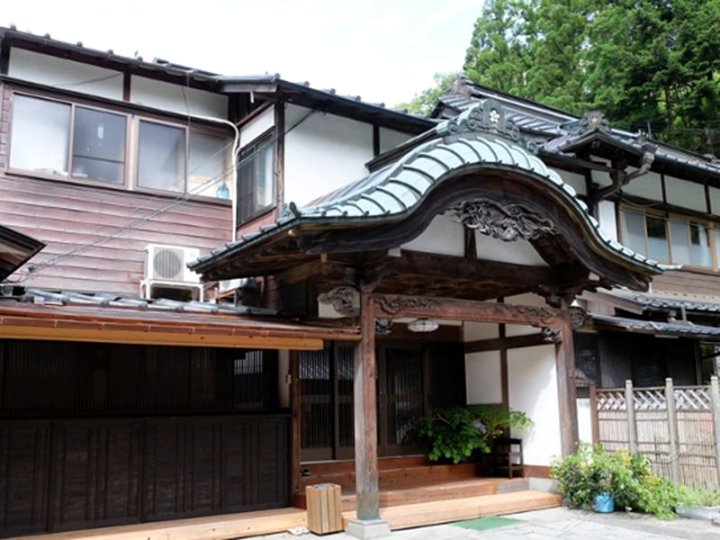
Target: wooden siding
{"type": "Point", "coordinates": [68, 474]}
{"type": "Point", "coordinates": [68, 215]}
{"type": "Point", "coordinates": [700, 282]}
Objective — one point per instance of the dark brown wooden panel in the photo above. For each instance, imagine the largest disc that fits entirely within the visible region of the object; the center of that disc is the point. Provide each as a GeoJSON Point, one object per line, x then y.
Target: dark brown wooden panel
{"type": "Point", "coordinates": [95, 473]}
{"type": "Point", "coordinates": [24, 450]}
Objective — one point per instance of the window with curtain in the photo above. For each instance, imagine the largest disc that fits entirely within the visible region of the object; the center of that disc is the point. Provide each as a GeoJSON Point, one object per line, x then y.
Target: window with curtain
{"type": "Point", "coordinates": [674, 239]}
{"type": "Point", "coordinates": [81, 143]}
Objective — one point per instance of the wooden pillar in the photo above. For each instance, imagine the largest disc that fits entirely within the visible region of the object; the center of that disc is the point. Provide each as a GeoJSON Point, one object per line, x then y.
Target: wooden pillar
{"type": "Point", "coordinates": [565, 365]}
{"type": "Point", "coordinates": [674, 453]}
{"type": "Point", "coordinates": [715, 396]}
{"type": "Point", "coordinates": [631, 423]}
{"type": "Point", "coordinates": [594, 415]}
{"type": "Point", "coordinates": [366, 466]}
{"type": "Point", "coordinates": [296, 413]}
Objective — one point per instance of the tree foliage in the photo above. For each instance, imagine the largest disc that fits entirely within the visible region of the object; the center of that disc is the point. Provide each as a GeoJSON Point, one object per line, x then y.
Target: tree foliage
{"type": "Point", "coordinates": [650, 65]}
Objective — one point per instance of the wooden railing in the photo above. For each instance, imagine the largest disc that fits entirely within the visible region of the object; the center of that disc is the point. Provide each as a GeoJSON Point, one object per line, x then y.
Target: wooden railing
{"type": "Point", "coordinates": [677, 428]}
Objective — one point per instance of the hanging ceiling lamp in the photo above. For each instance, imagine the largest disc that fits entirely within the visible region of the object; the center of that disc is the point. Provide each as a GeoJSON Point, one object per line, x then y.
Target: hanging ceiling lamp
{"type": "Point", "coordinates": [423, 326]}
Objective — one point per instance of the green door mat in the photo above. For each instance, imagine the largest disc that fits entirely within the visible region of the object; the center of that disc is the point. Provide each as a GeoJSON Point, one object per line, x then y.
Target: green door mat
{"type": "Point", "coordinates": [487, 523]}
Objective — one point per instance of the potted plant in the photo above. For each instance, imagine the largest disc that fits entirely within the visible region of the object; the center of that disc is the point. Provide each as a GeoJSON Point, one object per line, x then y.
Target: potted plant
{"type": "Point", "coordinates": [455, 433]}
{"type": "Point", "coordinates": [698, 503]}
{"type": "Point", "coordinates": [593, 477]}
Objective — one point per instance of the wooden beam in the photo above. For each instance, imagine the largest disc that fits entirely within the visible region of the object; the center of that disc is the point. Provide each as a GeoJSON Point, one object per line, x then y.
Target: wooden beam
{"type": "Point", "coordinates": [565, 366]}
{"type": "Point", "coordinates": [397, 306]}
{"type": "Point", "coordinates": [178, 336]}
{"type": "Point", "coordinates": [447, 267]}
{"type": "Point", "coordinates": [504, 343]}
{"type": "Point", "coordinates": [365, 409]}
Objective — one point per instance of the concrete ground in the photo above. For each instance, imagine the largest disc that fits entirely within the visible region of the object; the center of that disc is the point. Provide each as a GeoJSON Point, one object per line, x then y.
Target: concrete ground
{"type": "Point", "coordinates": [560, 523]}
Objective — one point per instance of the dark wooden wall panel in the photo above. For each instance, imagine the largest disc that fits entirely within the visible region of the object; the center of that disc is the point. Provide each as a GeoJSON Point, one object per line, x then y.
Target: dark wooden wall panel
{"type": "Point", "coordinates": [67, 215]}
{"type": "Point", "coordinates": [24, 449]}
{"type": "Point", "coordinates": [95, 473]}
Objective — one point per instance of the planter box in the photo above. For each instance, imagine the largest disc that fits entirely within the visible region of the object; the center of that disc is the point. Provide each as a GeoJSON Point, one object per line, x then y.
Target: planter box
{"type": "Point", "coordinates": [698, 512]}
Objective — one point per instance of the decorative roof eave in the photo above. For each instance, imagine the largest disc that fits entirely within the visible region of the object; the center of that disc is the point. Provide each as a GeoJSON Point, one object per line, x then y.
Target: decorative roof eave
{"type": "Point", "coordinates": [15, 250]}
{"type": "Point", "coordinates": [670, 329]}
{"type": "Point", "coordinates": [480, 138]}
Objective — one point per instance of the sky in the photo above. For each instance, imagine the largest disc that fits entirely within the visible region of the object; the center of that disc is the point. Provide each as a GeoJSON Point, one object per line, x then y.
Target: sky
{"type": "Point", "coordinates": [381, 50]}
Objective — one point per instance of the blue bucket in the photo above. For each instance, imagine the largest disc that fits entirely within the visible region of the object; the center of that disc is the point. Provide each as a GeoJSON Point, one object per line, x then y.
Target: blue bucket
{"type": "Point", "coordinates": [604, 503]}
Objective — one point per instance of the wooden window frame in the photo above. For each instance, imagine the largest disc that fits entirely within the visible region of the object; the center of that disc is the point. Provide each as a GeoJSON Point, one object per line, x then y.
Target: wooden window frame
{"type": "Point", "coordinates": [250, 152]}
{"type": "Point", "coordinates": [131, 162]}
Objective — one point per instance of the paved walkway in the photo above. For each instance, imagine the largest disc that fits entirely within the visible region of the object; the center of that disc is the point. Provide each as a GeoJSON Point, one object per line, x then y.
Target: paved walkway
{"type": "Point", "coordinates": [559, 523]}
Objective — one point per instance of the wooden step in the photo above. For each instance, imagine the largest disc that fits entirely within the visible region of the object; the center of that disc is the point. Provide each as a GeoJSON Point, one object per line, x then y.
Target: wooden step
{"type": "Point", "coordinates": [435, 512]}
{"type": "Point", "coordinates": [242, 525]}
{"type": "Point", "coordinates": [391, 478]}
{"type": "Point", "coordinates": [437, 492]}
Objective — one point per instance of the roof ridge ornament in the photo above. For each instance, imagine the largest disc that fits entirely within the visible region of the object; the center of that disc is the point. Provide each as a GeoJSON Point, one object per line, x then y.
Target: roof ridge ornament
{"type": "Point", "coordinates": [488, 116]}
{"type": "Point", "coordinates": [592, 121]}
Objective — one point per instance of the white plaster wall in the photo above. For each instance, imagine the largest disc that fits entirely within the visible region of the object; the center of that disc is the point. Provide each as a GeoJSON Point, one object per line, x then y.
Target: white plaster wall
{"type": "Point", "coordinates": [607, 219]}
{"type": "Point", "coordinates": [648, 186]}
{"type": "Point", "coordinates": [177, 98]}
{"type": "Point", "coordinates": [390, 138]}
{"type": "Point", "coordinates": [715, 200]}
{"type": "Point", "coordinates": [483, 379]}
{"type": "Point", "coordinates": [65, 74]}
{"type": "Point", "coordinates": [323, 153]}
{"type": "Point", "coordinates": [532, 381]}
{"type": "Point", "coordinates": [685, 194]}
{"type": "Point", "coordinates": [474, 331]}
{"type": "Point", "coordinates": [577, 181]}
{"type": "Point", "coordinates": [602, 178]}
{"type": "Point", "coordinates": [519, 251]}
{"type": "Point", "coordinates": [257, 126]}
{"type": "Point", "coordinates": [444, 235]}
{"type": "Point", "coordinates": [584, 420]}
{"type": "Point", "coordinates": [528, 299]}
{"type": "Point", "coordinates": [283, 372]}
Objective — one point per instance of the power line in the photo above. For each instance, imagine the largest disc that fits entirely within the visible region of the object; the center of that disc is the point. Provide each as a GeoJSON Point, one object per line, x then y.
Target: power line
{"type": "Point", "coordinates": [35, 269]}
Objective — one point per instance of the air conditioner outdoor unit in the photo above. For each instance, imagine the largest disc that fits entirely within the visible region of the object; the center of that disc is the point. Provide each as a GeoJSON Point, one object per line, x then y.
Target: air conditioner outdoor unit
{"type": "Point", "coordinates": [166, 267]}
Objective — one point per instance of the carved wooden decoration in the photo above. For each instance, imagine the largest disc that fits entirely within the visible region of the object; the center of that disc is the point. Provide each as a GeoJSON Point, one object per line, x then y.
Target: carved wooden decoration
{"type": "Point", "coordinates": [383, 327]}
{"type": "Point", "coordinates": [392, 305]}
{"type": "Point", "coordinates": [399, 306]}
{"type": "Point", "coordinates": [506, 222]}
{"type": "Point", "coordinates": [551, 335]}
{"type": "Point", "coordinates": [344, 300]}
{"type": "Point", "coordinates": [577, 317]}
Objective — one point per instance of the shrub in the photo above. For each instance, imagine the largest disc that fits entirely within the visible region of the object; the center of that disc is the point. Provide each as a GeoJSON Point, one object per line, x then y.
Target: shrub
{"type": "Point", "coordinates": [455, 433]}
{"type": "Point", "coordinates": [699, 496]}
{"type": "Point", "coordinates": [627, 477]}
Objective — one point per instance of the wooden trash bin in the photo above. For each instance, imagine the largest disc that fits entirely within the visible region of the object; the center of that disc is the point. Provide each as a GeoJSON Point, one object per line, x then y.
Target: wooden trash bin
{"type": "Point", "coordinates": [324, 513]}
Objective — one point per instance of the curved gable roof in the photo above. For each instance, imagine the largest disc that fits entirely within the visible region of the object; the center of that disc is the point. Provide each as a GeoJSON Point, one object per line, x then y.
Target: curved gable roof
{"type": "Point", "coordinates": [481, 138]}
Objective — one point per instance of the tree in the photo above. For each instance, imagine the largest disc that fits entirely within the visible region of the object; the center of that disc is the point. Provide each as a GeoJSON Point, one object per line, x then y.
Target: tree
{"type": "Point", "coordinates": [649, 65]}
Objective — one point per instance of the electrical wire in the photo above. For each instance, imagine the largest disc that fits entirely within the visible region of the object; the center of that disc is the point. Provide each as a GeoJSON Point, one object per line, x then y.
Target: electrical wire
{"type": "Point", "coordinates": [34, 269]}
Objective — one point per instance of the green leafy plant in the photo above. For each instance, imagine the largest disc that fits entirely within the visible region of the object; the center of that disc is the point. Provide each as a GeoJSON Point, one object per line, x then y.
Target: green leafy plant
{"type": "Point", "coordinates": [629, 478]}
{"type": "Point", "coordinates": [699, 496]}
{"type": "Point", "coordinates": [455, 433]}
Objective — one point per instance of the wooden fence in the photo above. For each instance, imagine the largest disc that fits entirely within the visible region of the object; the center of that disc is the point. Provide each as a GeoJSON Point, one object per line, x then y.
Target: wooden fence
{"type": "Point", "coordinates": [678, 428]}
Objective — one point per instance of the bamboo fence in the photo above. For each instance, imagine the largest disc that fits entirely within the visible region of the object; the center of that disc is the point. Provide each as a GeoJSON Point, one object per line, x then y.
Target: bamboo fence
{"type": "Point", "coordinates": [677, 428]}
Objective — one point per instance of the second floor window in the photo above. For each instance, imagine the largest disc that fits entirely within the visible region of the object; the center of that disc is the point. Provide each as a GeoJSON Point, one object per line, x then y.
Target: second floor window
{"type": "Point", "coordinates": [674, 239]}
{"type": "Point", "coordinates": [256, 180]}
{"type": "Point", "coordinates": [75, 141]}
{"type": "Point", "coordinates": [86, 143]}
